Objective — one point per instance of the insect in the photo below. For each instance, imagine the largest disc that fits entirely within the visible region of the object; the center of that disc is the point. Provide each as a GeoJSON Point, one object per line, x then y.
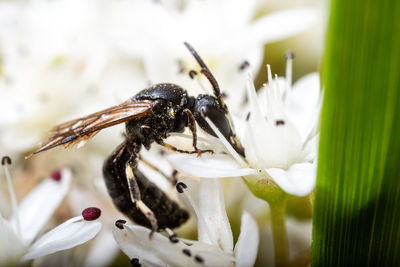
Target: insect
{"type": "Point", "coordinates": [149, 116]}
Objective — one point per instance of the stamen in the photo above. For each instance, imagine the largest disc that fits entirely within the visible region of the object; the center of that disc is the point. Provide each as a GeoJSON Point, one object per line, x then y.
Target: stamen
{"type": "Point", "coordinates": [198, 259]}
{"type": "Point", "coordinates": [56, 176]}
{"type": "Point", "coordinates": [187, 252]}
{"type": "Point", "coordinates": [289, 70]}
{"type": "Point", "coordinates": [91, 214]}
{"type": "Point", "coordinates": [5, 161]}
{"type": "Point", "coordinates": [120, 224]}
{"type": "Point", "coordinates": [279, 122]}
{"type": "Point", "coordinates": [173, 237]}
{"type": "Point", "coordinates": [269, 74]}
{"type": "Point", "coordinates": [228, 146]}
{"type": "Point", "coordinates": [248, 116]}
{"type": "Point", "coordinates": [199, 218]}
{"type": "Point", "coordinates": [135, 262]}
{"type": "Point", "coordinates": [192, 74]}
{"type": "Point", "coordinates": [180, 187]}
{"type": "Point", "coordinates": [245, 64]}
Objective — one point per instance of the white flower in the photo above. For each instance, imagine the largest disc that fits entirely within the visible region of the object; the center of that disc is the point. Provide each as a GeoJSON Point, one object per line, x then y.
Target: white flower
{"type": "Point", "coordinates": [215, 244]}
{"type": "Point", "coordinates": [279, 138]}
{"type": "Point", "coordinates": [18, 241]}
{"type": "Point", "coordinates": [225, 33]}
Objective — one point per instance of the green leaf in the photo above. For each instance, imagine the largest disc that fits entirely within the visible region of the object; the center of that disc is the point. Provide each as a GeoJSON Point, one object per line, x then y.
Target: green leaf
{"type": "Point", "coordinates": [357, 198]}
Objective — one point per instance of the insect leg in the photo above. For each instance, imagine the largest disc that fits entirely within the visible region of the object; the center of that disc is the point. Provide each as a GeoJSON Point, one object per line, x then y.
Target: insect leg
{"type": "Point", "coordinates": [172, 178]}
{"type": "Point", "coordinates": [173, 148]}
{"type": "Point", "coordinates": [135, 195]}
{"type": "Point", "coordinates": [193, 129]}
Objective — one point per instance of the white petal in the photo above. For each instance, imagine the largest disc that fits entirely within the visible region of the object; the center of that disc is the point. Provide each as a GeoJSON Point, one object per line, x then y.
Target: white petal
{"type": "Point", "coordinates": [302, 103]}
{"type": "Point", "coordinates": [69, 234]}
{"type": "Point", "coordinates": [246, 247]}
{"type": "Point", "coordinates": [37, 207]}
{"type": "Point", "coordinates": [159, 251]}
{"type": "Point", "coordinates": [212, 210]}
{"type": "Point", "coordinates": [134, 241]}
{"type": "Point", "coordinates": [209, 166]}
{"type": "Point", "coordinates": [299, 180]}
{"type": "Point", "coordinates": [11, 247]}
{"type": "Point", "coordinates": [103, 250]}
{"type": "Point", "coordinates": [283, 24]}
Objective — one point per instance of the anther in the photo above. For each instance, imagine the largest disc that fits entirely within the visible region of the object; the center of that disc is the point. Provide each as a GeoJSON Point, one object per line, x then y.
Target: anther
{"type": "Point", "coordinates": [245, 64]}
{"type": "Point", "coordinates": [279, 122]}
{"type": "Point", "coordinates": [180, 186]}
{"type": "Point", "coordinates": [248, 116]}
{"type": "Point", "coordinates": [192, 73]}
{"type": "Point", "coordinates": [135, 262]}
{"type": "Point", "coordinates": [174, 238]}
{"type": "Point", "coordinates": [91, 214]}
{"type": "Point", "coordinates": [6, 160]}
{"type": "Point", "coordinates": [120, 224]}
{"type": "Point", "coordinates": [198, 259]}
{"type": "Point", "coordinates": [289, 55]}
{"type": "Point", "coordinates": [187, 252]}
{"type": "Point", "coordinates": [56, 176]}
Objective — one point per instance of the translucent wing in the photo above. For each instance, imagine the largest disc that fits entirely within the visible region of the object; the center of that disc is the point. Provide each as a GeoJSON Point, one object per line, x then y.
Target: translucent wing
{"type": "Point", "coordinates": [82, 129]}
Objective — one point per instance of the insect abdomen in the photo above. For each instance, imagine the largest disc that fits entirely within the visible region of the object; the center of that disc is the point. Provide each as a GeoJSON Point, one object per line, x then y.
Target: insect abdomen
{"type": "Point", "coordinates": [167, 212]}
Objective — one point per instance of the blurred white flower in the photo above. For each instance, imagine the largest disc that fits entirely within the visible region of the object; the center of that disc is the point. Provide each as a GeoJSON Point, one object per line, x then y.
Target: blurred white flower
{"type": "Point", "coordinates": [279, 136]}
{"type": "Point", "coordinates": [18, 234]}
{"type": "Point", "coordinates": [227, 34]}
{"type": "Point", "coordinates": [215, 244]}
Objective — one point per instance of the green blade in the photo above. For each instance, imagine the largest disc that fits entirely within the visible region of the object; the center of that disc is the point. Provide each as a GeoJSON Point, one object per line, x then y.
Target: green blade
{"type": "Point", "coordinates": [356, 220]}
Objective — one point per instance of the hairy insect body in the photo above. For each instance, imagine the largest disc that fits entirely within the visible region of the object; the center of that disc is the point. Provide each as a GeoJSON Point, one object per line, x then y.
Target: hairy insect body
{"type": "Point", "coordinates": [169, 101]}
{"type": "Point", "coordinates": [167, 212]}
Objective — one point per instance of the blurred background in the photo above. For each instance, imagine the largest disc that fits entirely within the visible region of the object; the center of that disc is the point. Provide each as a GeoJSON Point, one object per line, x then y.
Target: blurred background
{"type": "Point", "coordinates": [62, 59]}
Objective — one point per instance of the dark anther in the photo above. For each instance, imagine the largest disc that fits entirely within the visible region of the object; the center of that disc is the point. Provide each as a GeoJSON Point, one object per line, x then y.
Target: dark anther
{"type": "Point", "coordinates": [248, 116]}
{"type": "Point", "coordinates": [245, 64]}
{"type": "Point", "coordinates": [120, 224]}
{"type": "Point", "coordinates": [186, 252]}
{"type": "Point", "coordinates": [192, 73]}
{"type": "Point", "coordinates": [135, 262]}
{"type": "Point", "coordinates": [198, 259]}
{"type": "Point", "coordinates": [56, 176]}
{"type": "Point", "coordinates": [180, 186]}
{"type": "Point", "coordinates": [173, 238]}
{"type": "Point", "coordinates": [289, 55]}
{"type": "Point", "coordinates": [91, 214]}
{"type": "Point", "coordinates": [224, 95]}
{"type": "Point", "coordinates": [280, 122]}
{"type": "Point", "coordinates": [6, 160]}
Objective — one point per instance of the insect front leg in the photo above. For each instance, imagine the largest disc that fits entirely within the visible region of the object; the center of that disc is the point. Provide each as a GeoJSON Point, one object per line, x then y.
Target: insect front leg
{"type": "Point", "coordinates": [193, 129]}
{"type": "Point", "coordinates": [134, 191]}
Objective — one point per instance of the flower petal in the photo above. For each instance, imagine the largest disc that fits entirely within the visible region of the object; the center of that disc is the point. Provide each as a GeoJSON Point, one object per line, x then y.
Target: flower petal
{"type": "Point", "coordinates": [11, 247]}
{"type": "Point", "coordinates": [283, 24]}
{"type": "Point", "coordinates": [299, 180]}
{"type": "Point", "coordinates": [209, 166]}
{"type": "Point", "coordinates": [134, 241]}
{"type": "Point", "coordinates": [39, 205]}
{"type": "Point", "coordinates": [69, 234]}
{"type": "Point", "coordinates": [212, 210]}
{"type": "Point", "coordinates": [302, 103]}
{"type": "Point", "coordinates": [246, 247]}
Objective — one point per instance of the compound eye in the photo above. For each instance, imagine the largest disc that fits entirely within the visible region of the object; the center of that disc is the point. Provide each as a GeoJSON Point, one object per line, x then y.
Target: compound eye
{"type": "Point", "coordinates": [208, 106]}
{"type": "Point", "coordinates": [219, 118]}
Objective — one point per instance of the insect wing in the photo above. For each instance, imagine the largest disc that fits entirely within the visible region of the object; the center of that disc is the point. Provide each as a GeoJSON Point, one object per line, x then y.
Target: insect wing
{"type": "Point", "coordinates": [82, 129]}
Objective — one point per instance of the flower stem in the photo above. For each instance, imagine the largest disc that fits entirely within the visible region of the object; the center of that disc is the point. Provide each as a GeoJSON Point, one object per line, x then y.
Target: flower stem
{"type": "Point", "coordinates": [279, 233]}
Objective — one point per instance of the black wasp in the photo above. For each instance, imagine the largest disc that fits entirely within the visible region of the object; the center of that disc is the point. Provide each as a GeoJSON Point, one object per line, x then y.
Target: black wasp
{"type": "Point", "coordinates": [150, 116]}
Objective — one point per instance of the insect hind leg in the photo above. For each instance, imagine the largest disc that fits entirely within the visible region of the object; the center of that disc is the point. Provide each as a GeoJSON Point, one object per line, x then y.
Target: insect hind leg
{"type": "Point", "coordinates": [134, 192]}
